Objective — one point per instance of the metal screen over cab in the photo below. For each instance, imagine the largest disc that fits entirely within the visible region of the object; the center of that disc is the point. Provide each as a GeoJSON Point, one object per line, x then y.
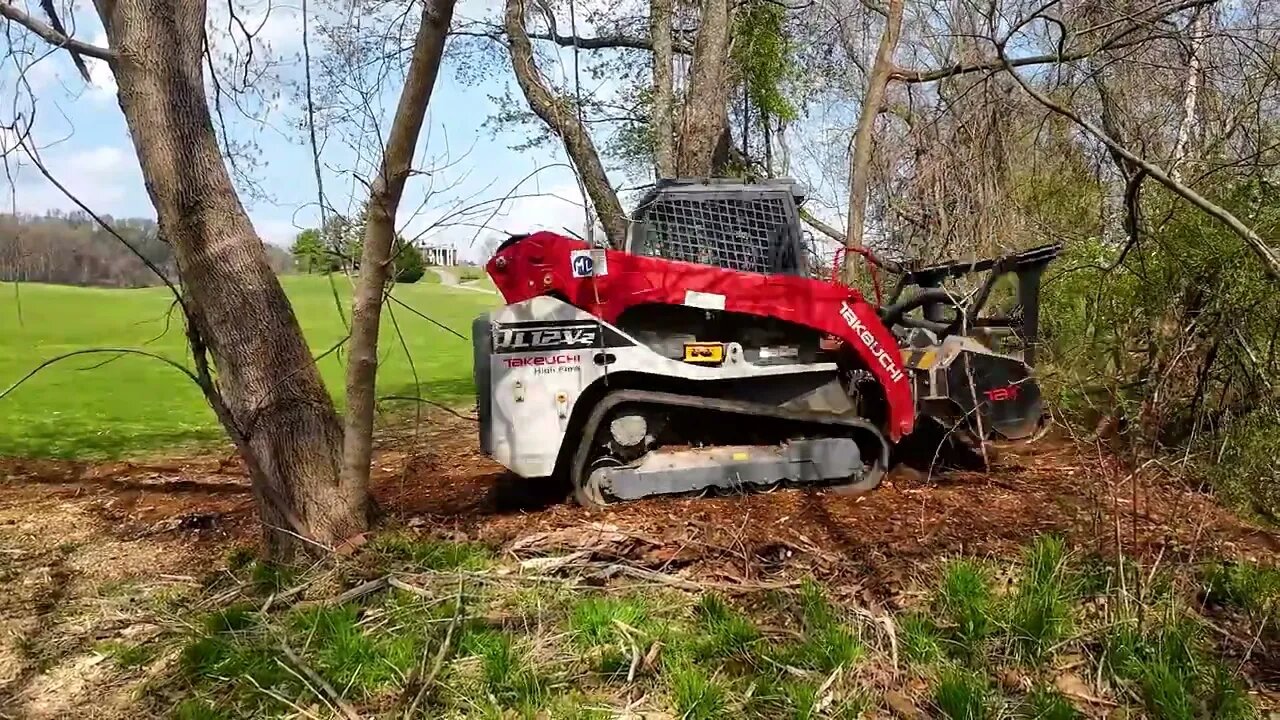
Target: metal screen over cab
{"type": "Point", "coordinates": [736, 225]}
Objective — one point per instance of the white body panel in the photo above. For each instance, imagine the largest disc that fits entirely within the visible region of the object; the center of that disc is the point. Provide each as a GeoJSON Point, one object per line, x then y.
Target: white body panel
{"type": "Point", "coordinates": [543, 357]}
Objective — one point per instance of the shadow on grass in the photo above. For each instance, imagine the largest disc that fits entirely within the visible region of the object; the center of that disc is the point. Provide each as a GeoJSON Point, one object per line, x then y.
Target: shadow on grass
{"type": "Point", "coordinates": [85, 442]}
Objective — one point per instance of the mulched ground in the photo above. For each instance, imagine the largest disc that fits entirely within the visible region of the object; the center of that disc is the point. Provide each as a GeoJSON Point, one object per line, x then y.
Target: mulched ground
{"type": "Point", "coordinates": [75, 536]}
{"type": "Point", "coordinates": [438, 482]}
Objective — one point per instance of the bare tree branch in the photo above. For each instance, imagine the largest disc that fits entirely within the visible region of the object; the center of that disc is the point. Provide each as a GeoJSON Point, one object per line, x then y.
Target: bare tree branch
{"type": "Point", "coordinates": [603, 42]}
{"type": "Point", "coordinates": [94, 351]}
{"type": "Point", "coordinates": [1115, 41]}
{"type": "Point", "coordinates": [1270, 261]}
{"type": "Point", "coordinates": [53, 37]}
{"type": "Point", "coordinates": [559, 116]}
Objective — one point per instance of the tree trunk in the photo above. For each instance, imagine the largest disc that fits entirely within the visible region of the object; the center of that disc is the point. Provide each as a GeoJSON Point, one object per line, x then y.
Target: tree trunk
{"type": "Point", "coordinates": [376, 260]}
{"type": "Point", "coordinates": [1191, 95]}
{"type": "Point", "coordinates": [276, 407]}
{"type": "Point", "coordinates": [663, 102]}
{"type": "Point", "coordinates": [705, 112]}
{"type": "Point", "coordinates": [860, 157]}
{"type": "Point", "coordinates": [560, 117]}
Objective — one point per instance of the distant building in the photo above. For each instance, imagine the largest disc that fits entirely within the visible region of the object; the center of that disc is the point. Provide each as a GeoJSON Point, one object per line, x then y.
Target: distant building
{"type": "Point", "coordinates": [445, 255]}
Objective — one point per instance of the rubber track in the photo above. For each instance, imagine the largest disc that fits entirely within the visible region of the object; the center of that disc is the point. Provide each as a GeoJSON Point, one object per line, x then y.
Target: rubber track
{"type": "Point", "coordinates": [738, 407]}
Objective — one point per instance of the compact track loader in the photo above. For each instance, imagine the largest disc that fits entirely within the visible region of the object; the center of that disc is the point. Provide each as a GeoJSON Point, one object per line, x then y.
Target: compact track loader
{"type": "Point", "coordinates": [710, 356]}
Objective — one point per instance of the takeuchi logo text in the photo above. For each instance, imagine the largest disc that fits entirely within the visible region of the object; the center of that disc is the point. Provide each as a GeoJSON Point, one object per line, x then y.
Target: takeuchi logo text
{"type": "Point", "coordinates": [887, 361]}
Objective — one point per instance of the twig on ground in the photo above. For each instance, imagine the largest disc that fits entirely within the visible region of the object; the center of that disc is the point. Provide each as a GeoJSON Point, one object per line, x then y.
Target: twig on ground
{"type": "Point", "coordinates": [629, 633]}
{"type": "Point", "coordinates": [365, 588]}
{"type": "Point", "coordinates": [291, 592]}
{"type": "Point", "coordinates": [399, 584]}
{"type": "Point", "coordinates": [441, 655]}
{"type": "Point", "coordinates": [824, 697]}
{"type": "Point", "coordinates": [343, 706]}
{"type": "Point", "coordinates": [1252, 645]}
{"type": "Point", "coordinates": [891, 630]}
{"type": "Point", "coordinates": [613, 569]}
{"type": "Point", "coordinates": [281, 698]}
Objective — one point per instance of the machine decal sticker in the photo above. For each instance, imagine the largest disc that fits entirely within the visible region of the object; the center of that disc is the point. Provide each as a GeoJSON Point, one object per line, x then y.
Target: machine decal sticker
{"type": "Point", "coordinates": [547, 336]}
{"type": "Point", "coordinates": [589, 263]}
{"type": "Point", "coordinates": [885, 359]}
{"type": "Point", "coordinates": [539, 360]}
{"type": "Point", "coordinates": [704, 300]}
{"type": "Point", "coordinates": [1000, 394]}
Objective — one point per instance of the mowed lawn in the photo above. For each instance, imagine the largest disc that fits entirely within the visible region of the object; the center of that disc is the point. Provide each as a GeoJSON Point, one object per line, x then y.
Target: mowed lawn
{"type": "Point", "coordinates": [105, 406]}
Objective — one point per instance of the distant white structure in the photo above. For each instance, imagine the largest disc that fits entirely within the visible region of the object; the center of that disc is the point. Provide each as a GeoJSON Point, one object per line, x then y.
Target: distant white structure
{"type": "Point", "coordinates": [445, 255]}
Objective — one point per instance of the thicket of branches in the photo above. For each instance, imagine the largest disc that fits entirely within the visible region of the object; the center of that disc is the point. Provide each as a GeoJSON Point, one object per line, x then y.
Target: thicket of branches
{"type": "Point", "coordinates": [1142, 135]}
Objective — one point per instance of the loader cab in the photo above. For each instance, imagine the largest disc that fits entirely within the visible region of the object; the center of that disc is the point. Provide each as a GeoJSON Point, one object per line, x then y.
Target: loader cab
{"type": "Point", "coordinates": [751, 226]}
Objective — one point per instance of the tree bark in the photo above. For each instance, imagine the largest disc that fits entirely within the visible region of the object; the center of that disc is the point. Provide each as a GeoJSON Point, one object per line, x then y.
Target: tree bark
{"type": "Point", "coordinates": [276, 408]}
{"type": "Point", "coordinates": [376, 259]}
{"type": "Point", "coordinates": [860, 155]}
{"type": "Point", "coordinates": [663, 101]}
{"type": "Point", "coordinates": [560, 117]}
{"type": "Point", "coordinates": [1195, 70]}
{"type": "Point", "coordinates": [704, 114]}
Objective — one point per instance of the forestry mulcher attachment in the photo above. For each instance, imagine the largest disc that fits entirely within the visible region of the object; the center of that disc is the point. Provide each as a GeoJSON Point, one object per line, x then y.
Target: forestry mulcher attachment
{"type": "Point", "coordinates": [708, 355]}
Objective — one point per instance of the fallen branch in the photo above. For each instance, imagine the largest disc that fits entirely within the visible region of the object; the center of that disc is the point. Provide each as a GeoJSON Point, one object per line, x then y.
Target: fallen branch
{"type": "Point", "coordinates": [614, 569]}
{"type": "Point", "coordinates": [365, 588]}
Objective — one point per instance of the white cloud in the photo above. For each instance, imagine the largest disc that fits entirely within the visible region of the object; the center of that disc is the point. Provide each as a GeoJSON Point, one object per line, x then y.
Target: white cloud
{"type": "Point", "coordinates": [106, 178]}
{"type": "Point", "coordinates": [55, 69]}
{"type": "Point", "coordinates": [276, 232]}
{"type": "Point", "coordinates": [102, 80]}
{"type": "Point", "coordinates": [557, 208]}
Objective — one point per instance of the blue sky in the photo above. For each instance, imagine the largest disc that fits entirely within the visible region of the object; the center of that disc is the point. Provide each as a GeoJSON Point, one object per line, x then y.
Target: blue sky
{"type": "Point", "coordinates": [81, 136]}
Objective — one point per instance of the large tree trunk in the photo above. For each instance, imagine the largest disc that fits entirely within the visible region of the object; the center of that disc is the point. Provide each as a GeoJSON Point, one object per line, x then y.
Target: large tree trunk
{"type": "Point", "coordinates": [705, 112]}
{"type": "Point", "coordinates": [860, 157]}
{"type": "Point", "coordinates": [663, 100]}
{"type": "Point", "coordinates": [376, 260]}
{"type": "Point", "coordinates": [559, 115]}
{"type": "Point", "coordinates": [276, 407]}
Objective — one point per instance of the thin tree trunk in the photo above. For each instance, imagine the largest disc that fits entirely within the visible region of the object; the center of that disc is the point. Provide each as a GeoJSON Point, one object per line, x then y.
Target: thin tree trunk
{"type": "Point", "coordinates": [276, 407]}
{"type": "Point", "coordinates": [663, 101]}
{"type": "Point", "coordinates": [860, 156]}
{"type": "Point", "coordinates": [560, 117]}
{"type": "Point", "coordinates": [376, 259]}
{"type": "Point", "coordinates": [704, 115]}
{"type": "Point", "coordinates": [1195, 71]}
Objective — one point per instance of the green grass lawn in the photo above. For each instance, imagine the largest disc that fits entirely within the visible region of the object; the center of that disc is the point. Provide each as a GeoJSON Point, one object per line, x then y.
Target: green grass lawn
{"type": "Point", "coordinates": [87, 407]}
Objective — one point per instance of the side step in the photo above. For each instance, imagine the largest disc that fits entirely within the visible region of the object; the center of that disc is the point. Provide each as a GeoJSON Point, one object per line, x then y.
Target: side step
{"type": "Point", "coordinates": [731, 467]}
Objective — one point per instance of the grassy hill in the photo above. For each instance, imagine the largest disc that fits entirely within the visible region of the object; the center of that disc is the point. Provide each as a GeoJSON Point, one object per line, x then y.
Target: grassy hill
{"type": "Point", "coordinates": [104, 406]}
